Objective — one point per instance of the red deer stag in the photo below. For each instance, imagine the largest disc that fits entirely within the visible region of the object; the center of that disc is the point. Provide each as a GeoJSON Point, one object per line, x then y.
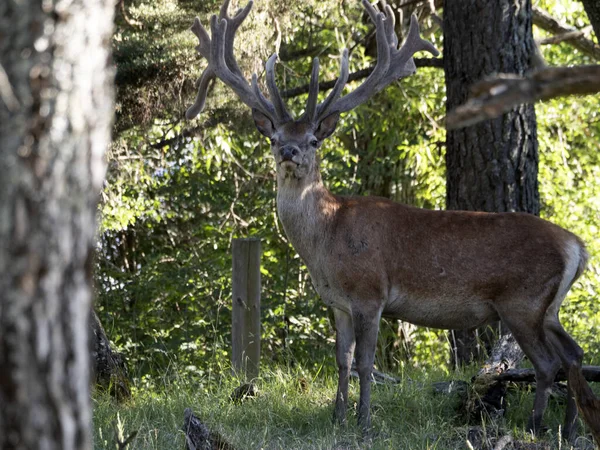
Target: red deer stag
{"type": "Point", "coordinates": [369, 256]}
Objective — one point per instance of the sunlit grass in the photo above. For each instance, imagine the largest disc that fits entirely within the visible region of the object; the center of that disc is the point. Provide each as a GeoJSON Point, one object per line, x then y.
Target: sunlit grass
{"type": "Point", "coordinates": [294, 411]}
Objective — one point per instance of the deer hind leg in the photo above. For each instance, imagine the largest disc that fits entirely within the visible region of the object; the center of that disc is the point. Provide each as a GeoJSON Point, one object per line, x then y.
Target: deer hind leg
{"type": "Point", "coordinates": [570, 354]}
{"type": "Point", "coordinates": [566, 348]}
{"type": "Point", "coordinates": [344, 348]}
{"type": "Point", "coordinates": [536, 346]}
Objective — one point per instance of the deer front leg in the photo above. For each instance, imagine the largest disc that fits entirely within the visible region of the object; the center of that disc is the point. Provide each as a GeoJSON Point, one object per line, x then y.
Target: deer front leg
{"type": "Point", "coordinates": [344, 348]}
{"type": "Point", "coordinates": [366, 327]}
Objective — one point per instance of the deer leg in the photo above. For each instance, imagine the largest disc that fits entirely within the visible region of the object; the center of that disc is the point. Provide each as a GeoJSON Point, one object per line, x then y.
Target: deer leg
{"type": "Point", "coordinates": [537, 348]}
{"type": "Point", "coordinates": [366, 328]}
{"type": "Point", "coordinates": [570, 354]}
{"type": "Point", "coordinates": [344, 348]}
{"type": "Point", "coordinates": [546, 365]}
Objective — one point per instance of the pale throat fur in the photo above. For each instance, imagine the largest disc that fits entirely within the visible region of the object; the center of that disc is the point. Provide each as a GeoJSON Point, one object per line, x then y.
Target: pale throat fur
{"type": "Point", "coordinates": [305, 208]}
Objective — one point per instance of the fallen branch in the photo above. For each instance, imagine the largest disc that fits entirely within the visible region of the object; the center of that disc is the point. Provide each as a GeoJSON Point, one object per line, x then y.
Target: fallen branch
{"type": "Point", "coordinates": [499, 94]}
{"type": "Point", "coordinates": [506, 355]}
{"type": "Point", "coordinates": [590, 373]}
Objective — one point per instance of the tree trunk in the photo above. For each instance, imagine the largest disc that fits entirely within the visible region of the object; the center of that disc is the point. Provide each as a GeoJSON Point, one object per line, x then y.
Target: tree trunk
{"type": "Point", "coordinates": [55, 116]}
{"type": "Point", "coordinates": [592, 8]}
{"type": "Point", "coordinates": [108, 367]}
{"type": "Point", "coordinates": [491, 166]}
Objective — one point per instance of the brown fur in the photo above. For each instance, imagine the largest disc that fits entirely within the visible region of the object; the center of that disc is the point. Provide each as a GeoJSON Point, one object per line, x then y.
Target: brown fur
{"type": "Point", "coordinates": [369, 256]}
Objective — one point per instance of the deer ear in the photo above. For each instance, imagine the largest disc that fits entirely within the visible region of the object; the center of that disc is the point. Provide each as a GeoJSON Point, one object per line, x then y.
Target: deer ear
{"type": "Point", "coordinates": [327, 126]}
{"type": "Point", "coordinates": [263, 123]}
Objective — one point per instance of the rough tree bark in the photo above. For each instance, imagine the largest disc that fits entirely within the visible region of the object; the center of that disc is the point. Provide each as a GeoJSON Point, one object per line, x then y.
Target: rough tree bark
{"type": "Point", "coordinates": [491, 166]}
{"type": "Point", "coordinates": [56, 107]}
{"type": "Point", "coordinates": [592, 9]}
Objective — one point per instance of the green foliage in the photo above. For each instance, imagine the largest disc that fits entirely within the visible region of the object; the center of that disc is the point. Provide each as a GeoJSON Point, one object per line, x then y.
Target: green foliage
{"type": "Point", "coordinates": [177, 194]}
{"type": "Point", "coordinates": [169, 212]}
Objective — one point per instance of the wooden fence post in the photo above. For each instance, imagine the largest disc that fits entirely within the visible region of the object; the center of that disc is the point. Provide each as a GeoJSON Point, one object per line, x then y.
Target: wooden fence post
{"type": "Point", "coordinates": [245, 322]}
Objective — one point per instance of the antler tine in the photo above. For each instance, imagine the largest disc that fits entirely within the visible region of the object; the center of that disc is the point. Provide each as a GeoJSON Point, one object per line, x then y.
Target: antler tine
{"type": "Point", "coordinates": [233, 80]}
{"type": "Point", "coordinates": [412, 44]}
{"type": "Point", "coordinates": [313, 92]}
{"type": "Point", "coordinates": [383, 50]}
{"type": "Point", "coordinates": [266, 104]}
{"type": "Point", "coordinates": [204, 41]}
{"type": "Point", "coordinates": [373, 13]}
{"type": "Point", "coordinates": [392, 63]}
{"type": "Point", "coordinates": [383, 47]}
{"type": "Point", "coordinates": [223, 10]}
{"type": "Point", "coordinates": [324, 107]}
{"type": "Point", "coordinates": [232, 26]}
{"type": "Point", "coordinates": [218, 50]}
{"type": "Point", "coordinates": [390, 25]}
{"type": "Point", "coordinates": [280, 109]}
{"type": "Point", "coordinates": [365, 90]}
{"type": "Point", "coordinates": [207, 76]}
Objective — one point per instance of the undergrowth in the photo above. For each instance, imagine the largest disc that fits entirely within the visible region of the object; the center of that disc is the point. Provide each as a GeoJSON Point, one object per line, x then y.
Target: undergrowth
{"type": "Point", "coordinates": [293, 410]}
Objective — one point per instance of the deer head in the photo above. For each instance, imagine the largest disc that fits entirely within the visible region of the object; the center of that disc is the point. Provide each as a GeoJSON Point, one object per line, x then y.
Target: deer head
{"type": "Point", "coordinates": [294, 143]}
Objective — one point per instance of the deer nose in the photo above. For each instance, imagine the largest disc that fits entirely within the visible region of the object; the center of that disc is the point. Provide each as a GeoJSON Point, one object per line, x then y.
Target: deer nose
{"type": "Point", "coordinates": [288, 152]}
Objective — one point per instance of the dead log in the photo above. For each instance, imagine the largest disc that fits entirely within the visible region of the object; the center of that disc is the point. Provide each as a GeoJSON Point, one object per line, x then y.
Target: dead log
{"type": "Point", "coordinates": [488, 393]}
{"type": "Point", "coordinates": [590, 373]}
{"type": "Point", "coordinates": [199, 437]}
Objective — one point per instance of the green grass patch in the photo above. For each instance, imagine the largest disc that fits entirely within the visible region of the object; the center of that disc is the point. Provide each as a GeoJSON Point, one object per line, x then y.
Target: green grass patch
{"type": "Point", "coordinates": [293, 410]}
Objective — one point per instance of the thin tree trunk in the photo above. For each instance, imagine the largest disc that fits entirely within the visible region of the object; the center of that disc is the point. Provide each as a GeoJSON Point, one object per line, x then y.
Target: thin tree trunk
{"type": "Point", "coordinates": [491, 166]}
{"type": "Point", "coordinates": [55, 116]}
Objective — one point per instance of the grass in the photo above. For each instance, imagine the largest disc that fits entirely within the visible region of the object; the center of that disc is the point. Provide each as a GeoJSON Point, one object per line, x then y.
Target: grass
{"type": "Point", "coordinates": [294, 409]}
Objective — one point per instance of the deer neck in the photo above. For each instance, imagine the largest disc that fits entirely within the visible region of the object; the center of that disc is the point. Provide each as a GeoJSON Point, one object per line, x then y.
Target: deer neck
{"type": "Point", "coordinates": [306, 209]}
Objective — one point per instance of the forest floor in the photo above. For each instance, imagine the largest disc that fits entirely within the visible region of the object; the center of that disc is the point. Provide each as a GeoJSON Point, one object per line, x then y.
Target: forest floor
{"type": "Point", "coordinates": [293, 410]}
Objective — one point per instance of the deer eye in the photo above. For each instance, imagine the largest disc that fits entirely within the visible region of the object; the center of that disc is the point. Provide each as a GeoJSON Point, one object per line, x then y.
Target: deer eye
{"type": "Point", "coordinates": [314, 142]}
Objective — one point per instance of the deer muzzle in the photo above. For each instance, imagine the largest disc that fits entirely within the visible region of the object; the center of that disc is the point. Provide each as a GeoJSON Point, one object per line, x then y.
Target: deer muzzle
{"type": "Point", "coordinates": [288, 152]}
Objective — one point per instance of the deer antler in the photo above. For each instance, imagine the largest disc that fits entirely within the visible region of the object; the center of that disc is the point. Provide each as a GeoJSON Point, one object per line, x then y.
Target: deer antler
{"type": "Point", "coordinates": [218, 51]}
{"type": "Point", "coordinates": [392, 64]}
